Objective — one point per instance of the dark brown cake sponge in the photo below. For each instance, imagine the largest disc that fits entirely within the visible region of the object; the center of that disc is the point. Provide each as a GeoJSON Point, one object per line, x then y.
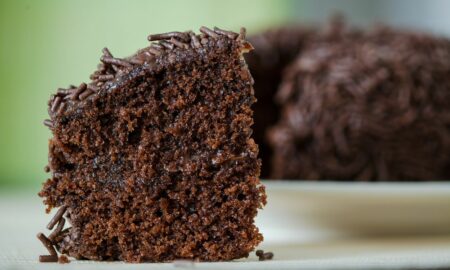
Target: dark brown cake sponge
{"type": "Point", "coordinates": [372, 105]}
{"type": "Point", "coordinates": [153, 160]}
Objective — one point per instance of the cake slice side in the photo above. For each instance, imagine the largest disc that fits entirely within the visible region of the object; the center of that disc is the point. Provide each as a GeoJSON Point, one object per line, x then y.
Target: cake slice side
{"type": "Point", "coordinates": [153, 160]}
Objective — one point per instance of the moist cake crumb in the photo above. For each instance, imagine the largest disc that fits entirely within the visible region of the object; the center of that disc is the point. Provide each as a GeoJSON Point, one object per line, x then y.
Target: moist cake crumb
{"type": "Point", "coordinates": [264, 256]}
{"type": "Point", "coordinates": [63, 259]}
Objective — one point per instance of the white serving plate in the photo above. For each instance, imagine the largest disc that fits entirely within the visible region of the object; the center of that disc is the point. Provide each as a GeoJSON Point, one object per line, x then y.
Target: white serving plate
{"type": "Point", "coordinates": [302, 210]}
{"type": "Point", "coordinates": [308, 225]}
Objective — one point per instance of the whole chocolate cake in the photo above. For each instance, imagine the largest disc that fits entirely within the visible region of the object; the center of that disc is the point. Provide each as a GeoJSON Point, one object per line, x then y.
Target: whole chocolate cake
{"type": "Point", "coordinates": [153, 160]}
{"type": "Point", "coordinates": [352, 104]}
{"type": "Point", "coordinates": [276, 49]}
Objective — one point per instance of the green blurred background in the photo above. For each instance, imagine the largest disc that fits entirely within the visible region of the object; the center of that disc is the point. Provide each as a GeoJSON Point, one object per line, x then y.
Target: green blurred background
{"type": "Point", "coordinates": [48, 44]}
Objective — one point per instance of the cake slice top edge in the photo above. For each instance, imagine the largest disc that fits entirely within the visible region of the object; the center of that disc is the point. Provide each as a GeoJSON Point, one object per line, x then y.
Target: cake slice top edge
{"type": "Point", "coordinates": [164, 50]}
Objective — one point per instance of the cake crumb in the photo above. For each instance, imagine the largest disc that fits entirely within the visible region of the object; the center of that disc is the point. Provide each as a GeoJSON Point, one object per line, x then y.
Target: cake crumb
{"type": "Point", "coordinates": [63, 259]}
{"type": "Point", "coordinates": [264, 256]}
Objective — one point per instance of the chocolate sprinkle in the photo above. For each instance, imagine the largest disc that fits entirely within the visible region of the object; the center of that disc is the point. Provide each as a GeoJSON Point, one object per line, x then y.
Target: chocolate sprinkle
{"type": "Point", "coordinates": [46, 169]}
{"type": "Point", "coordinates": [135, 61]}
{"type": "Point", "coordinates": [194, 40]}
{"type": "Point", "coordinates": [107, 53]}
{"type": "Point", "coordinates": [109, 60]}
{"type": "Point", "coordinates": [58, 229]}
{"type": "Point", "coordinates": [229, 34]}
{"type": "Point", "coordinates": [115, 61]}
{"type": "Point", "coordinates": [92, 87]}
{"type": "Point", "coordinates": [242, 33]}
{"type": "Point", "coordinates": [48, 258]}
{"type": "Point", "coordinates": [64, 92]}
{"type": "Point", "coordinates": [205, 30]}
{"type": "Point", "coordinates": [48, 123]}
{"type": "Point", "coordinates": [154, 51]}
{"type": "Point", "coordinates": [47, 244]}
{"type": "Point", "coordinates": [86, 94]}
{"type": "Point", "coordinates": [161, 44]}
{"type": "Point", "coordinates": [105, 77]}
{"type": "Point", "coordinates": [50, 101]}
{"type": "Point", "coordinates": [164, 44]}
{"type": "Point", "coordinates": [264, 256]}
{"type": "Point", "coordinates": [169, 35]}
{"type": "Point", "coordinates": [178, 43]}
{"type": "Point", "coordinates": [61, 108]}
{"type": "Point", "coordinates": [268, 256]}
{"type": "Point", "coordinates": [56, 103]}
{"type": "Point", "coordinates": [78, 91]}
{"type": "Point", "coordinates": [57, 217]}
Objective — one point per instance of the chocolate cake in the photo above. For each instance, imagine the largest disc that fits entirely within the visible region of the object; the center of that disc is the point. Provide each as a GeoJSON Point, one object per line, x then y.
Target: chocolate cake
{"type": "Point", "coordinates": [153, 159]}
{"type": "Point", "coordinates": [276, 49]}
{"type": "Point", "coordinates": [353, 104]}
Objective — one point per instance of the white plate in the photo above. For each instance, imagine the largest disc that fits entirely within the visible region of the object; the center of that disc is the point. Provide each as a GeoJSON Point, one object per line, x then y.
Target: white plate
{"type": "Point", "coordinates": [300, 210]}
{"type": "Point", "coordinates": [308, 225]}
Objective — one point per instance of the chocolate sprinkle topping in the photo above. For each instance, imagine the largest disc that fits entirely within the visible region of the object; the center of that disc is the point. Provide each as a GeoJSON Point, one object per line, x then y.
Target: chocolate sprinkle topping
{"type": "Point", "coordinates": [61, 108]}
{"type": "Point", "coordinates": [64, 92]}
{"type": "Point", "coordinates": [58, 229]}
{"type": "Point", "coordinates": [264, 256]}
{"type": "Point", "coordinates": [194, 40]}
{"type": "Point", "coordinates": [86, 94]}
{"type": "Point", "coordinates": [48, 123]}
{"type": "Point", "coordinates": [48, 258]}
{"type": "Point", "coordinates": [47, 244]}
{"type": "Point", "coordinates": [208, 32]}
{"type": "Point", "coordinates": [136, 61]}
{"type": "Point", "coordinates": [56, 103]}
{"type": "Point", "coordinates": [92, 87]}
{"type": "Point", "coordinates": [179, 44]}
{"type": "Point", "coordinates": [57, 217]}
{"type": "Point", "coordinates": [105, 77]}
{"type": "Point", "coordinates": [229, 34]}
{"type": "Point", "coordinates": [107, 53]}
{"type": "Point", "coordinates": [242, 33]}
{"type": "Point", "coordinates": [163, 44]}
{"type": "Point", "coordinates": [78, 91]}
{"type": "Point", "coordinates": [155, 50]}
{"type": "Point", "coordinates": [169, 35]}
{"type": "Point", "coordinates": [115, 61]}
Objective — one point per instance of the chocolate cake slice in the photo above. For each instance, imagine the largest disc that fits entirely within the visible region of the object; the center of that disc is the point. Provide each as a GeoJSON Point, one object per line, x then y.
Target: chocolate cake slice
{"type": "Point", "coordinates": [153, 160]}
